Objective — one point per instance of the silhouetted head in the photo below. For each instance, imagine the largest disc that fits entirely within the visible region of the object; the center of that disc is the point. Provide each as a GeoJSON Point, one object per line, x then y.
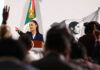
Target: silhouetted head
{"type": "Point", "coordinates": [26, 40]}
{"type": "Point", "coordinates": [58, 39]}
{"type": "Point", "coordinates": [89, 26]}
{"type": "Point", "coordinates": [12, 48]}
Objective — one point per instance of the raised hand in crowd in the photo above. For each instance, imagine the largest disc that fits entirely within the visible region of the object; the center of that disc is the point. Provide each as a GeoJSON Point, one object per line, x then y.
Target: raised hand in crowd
{"type": "Point", "coordinates": [17, 29]}
{"type": "Point", "coordinates": [5, 14]}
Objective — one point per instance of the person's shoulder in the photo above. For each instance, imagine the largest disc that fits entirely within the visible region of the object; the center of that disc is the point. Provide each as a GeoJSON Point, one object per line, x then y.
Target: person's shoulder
{"type": "Point", "coordinates": [39, 34]}
{"type": "Point", "coordinates": [18, 65]}
{"type": "Point", "coordinates": [88, 37]}
{"type": "Point", "coordinates": [82, 37]}
{"type": "Point", "coordinates": [27, 67]}
{"type": "Point", "coordinates": [39, 63]}
{"type": "Point", "coordinates": [28, 33]}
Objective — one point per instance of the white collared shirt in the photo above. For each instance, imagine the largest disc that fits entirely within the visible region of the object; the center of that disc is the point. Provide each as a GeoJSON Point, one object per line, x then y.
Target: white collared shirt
{"type": "Point", "coordinates": [34, 36]}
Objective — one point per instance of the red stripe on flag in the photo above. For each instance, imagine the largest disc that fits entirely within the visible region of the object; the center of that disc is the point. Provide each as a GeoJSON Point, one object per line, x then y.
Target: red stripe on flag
{"type": "Point", "coordinates": [33, 5]}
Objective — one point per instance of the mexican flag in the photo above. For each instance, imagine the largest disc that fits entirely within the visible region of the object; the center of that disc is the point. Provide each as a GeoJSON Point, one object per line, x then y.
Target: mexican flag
{"type": "Point", "coordinates": [31, 14]}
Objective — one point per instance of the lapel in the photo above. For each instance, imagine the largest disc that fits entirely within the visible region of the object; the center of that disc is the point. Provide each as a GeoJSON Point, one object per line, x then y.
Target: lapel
{"type": "Point", "coordinates": [36, 36]}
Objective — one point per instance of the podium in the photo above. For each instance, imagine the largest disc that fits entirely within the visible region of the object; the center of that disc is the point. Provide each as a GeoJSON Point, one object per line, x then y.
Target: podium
{"type": "Point", "coordinates": [37, 44]}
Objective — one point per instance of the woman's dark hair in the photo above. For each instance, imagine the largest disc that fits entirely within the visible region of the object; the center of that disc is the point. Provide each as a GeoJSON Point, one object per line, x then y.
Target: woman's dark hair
{"type": "Point", "coordinates": [37, 29]}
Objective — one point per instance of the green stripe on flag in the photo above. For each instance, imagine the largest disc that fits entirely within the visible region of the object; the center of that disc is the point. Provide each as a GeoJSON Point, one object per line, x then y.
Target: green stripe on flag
{"type": "Point", "coordinates": [34, 13]}
{"type": "Point", "coordinates": [28, 19]}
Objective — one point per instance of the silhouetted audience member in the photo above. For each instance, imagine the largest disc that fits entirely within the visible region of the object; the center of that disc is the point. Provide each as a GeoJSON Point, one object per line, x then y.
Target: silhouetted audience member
{"type": "Point", "coordinates": [79, 56]}
{"type": "Point", "coordinates": [88, 39]}
{"type": "Point", "coordinates": [57, 50]}
{"type": "Point", "coordinates": [78, 51]}
{"type": "Point", "coordinates": [97, 45]}
{"type": "Point", "coordinates": [31, 56]}
{"type": "Point", "coordinates": [26, 40]}
{"type": "Point", "coordinates": [12, 54]}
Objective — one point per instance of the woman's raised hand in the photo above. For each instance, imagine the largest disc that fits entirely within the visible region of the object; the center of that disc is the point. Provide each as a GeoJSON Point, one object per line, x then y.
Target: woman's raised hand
{"type": "Point", "coordinates": [17, 29]}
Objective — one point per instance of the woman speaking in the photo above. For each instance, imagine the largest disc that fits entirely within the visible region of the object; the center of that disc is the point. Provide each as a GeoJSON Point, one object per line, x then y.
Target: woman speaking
{"type": "Point", "coordinates": [33, 33]}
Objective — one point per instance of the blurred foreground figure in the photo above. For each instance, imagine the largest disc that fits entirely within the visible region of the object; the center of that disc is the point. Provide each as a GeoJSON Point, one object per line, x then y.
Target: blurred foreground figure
{"type": "Point", "coordinates": [26, 40]}
{"type": "Point", "coordinates": [88, 40]}
{"type": "Point", "coordinates": [57, 50]}
{"type": "Point", "coordinates": [12, 54]}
